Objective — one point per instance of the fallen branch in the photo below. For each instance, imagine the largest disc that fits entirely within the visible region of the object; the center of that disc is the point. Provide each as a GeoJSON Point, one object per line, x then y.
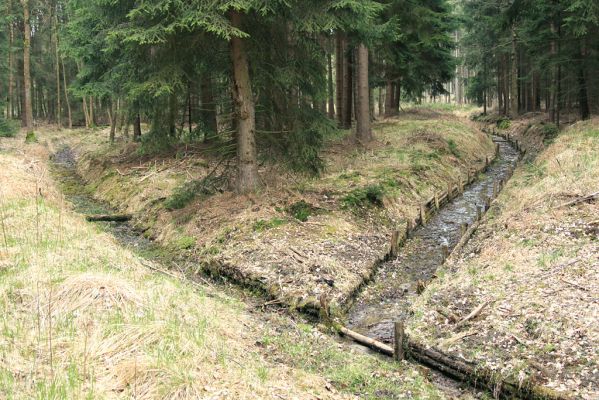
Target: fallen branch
{"type": "Point", "coordinates": [580, 200]}
{"type": "Point", "coordinates": [472, 314]}
{"type": "Point", "coordinates": [108, 217]}
{"type": "Point", "coordinates": [365, 340]}
{"type": "Point", "coordinates": [576, 285]}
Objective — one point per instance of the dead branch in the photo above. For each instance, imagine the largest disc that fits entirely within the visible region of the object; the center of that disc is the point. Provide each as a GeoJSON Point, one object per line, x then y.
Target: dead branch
{"type": "Point", "coordinates": [582, 199]}
{"type": "Point", "coordinates": [472, 314]}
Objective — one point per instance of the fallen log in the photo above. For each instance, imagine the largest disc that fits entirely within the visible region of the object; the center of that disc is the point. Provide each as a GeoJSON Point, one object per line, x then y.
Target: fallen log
{"type": "Point", "coordinates": [365, 340]}
{"type": "Point", "coordinates": [582, 199]}
{"type": "Point", "coordinates": [108, 217]}
{"type": "Point", "coordinates": [462, 370]}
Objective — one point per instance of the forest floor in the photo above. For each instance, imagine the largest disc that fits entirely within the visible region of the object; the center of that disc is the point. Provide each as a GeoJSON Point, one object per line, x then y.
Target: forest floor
{"type": "Point", "coordinates": [298, 238]}
{"type": "Point", "coordinates": [84, 317]}
{"type": "Point", "coordinates": [534, 264]}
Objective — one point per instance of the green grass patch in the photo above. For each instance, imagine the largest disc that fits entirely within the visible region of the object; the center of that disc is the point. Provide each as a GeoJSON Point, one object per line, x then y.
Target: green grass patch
{"type": "Point", "coordinates": [262, 225]}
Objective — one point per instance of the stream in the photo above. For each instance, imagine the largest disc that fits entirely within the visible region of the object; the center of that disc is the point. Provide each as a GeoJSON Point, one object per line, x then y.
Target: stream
{"type": "Point", "coordinates": [384, 300]}
{"type": "Point", "coordinates": [389, 296]}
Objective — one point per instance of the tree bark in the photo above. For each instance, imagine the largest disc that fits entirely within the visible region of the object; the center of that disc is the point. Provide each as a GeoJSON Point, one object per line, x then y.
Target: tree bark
{"type": "Point", "coordinates": [363, 129]}
{"type": "Point", "coordinates": [57, 67]}
{"type": "Point", "coordinates": [247, 165]}
{"type": "Point", "coordinates": [11, 77]}
{"type": "Point", "coordinates": [340, 73]}
{"type": "Point", "coordinates": [514, 76]}
{"type": "Point", "coordinates": [348, 89]}
{"type": "Point", "coordinates": [583, 99]}
{"type": "Point", "coordinates": [27, 67]}
{"type": "Point", "coordinates": [113, 119]}
{"type": "Point", "coordinates": [66, 95]}
{"type": "Point", "coordinates": [137, 128]}
{"type": "Point", "coordinates": [389, 99]}
{"type": "Point", "coordinates": [330, 88]}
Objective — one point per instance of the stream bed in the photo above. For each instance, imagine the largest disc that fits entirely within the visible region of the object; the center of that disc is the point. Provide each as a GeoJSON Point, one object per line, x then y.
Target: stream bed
{"type": "Point", "coordinates": [389, 296]}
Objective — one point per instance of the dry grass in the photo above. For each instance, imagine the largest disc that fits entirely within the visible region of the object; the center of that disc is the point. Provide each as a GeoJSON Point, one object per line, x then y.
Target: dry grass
{"type": "Point", "coordinates": [81, 317]}
{"type": "Point", "coordinates": [538, 263]}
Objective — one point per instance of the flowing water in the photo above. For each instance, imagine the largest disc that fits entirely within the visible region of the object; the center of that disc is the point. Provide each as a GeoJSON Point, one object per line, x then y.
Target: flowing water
{"type": "Point", "coordinates": [389, 296]}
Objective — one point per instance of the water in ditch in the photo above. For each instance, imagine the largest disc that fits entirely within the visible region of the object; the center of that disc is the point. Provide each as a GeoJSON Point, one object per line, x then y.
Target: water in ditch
{"type": "Point", "coordinates": [389, 296]}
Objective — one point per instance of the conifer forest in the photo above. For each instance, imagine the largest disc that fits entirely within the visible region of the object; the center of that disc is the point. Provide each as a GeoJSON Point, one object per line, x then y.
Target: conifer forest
{"type": "Point", "coordinates": [299, 199]}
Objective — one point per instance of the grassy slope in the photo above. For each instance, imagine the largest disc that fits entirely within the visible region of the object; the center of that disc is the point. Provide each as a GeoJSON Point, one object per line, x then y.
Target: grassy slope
{"type": "Point", "coordinates": [256, 239]}
{"type": "Point", "coordinates": [538, 264]}
{"type": "Point", "coordinates": [81, 317]}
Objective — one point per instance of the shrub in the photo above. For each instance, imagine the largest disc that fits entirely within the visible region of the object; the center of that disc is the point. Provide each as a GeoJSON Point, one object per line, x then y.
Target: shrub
{"type": "Point", "coordinates": [184, 194]}
{"type": "Point", "coordinates": [504, 123]}
{"type": "Point", "coordinates": [8, 128]}
{"type": "Point", "coordinates": [549, 132]}
{"type": "Point", "coordinates": [30, 137]}
{"type": "Point", "coordinates": [364, 197]}
{"type": "Point", "coordinates": [300, 210]}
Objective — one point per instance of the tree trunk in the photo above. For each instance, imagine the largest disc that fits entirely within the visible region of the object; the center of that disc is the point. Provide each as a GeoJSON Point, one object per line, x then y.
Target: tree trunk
{"type": "Point", "coordinates": [208, 107]}
{"type": "Point", "coordinates": [339, 78]}
{"type": "Point", "coordinates": [86, 113]}
{"type": "Point", "coordinates": [92, 121]}
{"type": "Point", "coordinates": [11, 77]}
{"type": "Point", "coordinates": [485, 86]}
{"type": "Point", "coordinates": [137, 128]}
{"type": "Point", "coordinates": [514, 76]}
{"type": "Point", "coordinates": [66, 95]}
{"type": "Point", "coordinates": [553, 92]}
{"type": "Point", "coordinates": [363, 130]}
{"type": "Point", "coordinates": [247, 178]}
{"type": "Point", "coordinates": [397, 96]}
{"type": "Point", "coordinates": [348, 89]}
{"type": "Point", "coordinates": [381, 102]}
{"type": "Point", "coordinates": [389, 99]}
{"type": "Point", "coordinates": [113, 119]}
{"type": "Point", "coordinates": [583, 99]}
{"type": "Point", "coordinates": [330, 88]}
{"type": "Point", "coordinates": [27, 67]}
{"type": "Point", "coordinates": [57, 67]}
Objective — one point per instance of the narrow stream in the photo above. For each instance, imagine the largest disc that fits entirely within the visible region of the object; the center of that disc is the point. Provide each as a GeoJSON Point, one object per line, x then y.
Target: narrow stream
{"type": "Point", "coordinates": [389, 296]}
{"type": "Point", "coordinates": [72, 186]}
